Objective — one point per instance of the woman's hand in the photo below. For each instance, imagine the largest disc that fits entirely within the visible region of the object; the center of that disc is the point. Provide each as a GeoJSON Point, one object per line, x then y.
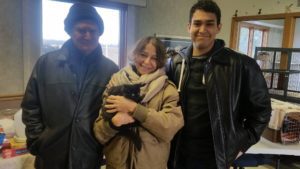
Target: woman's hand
{"type": "Point", "coordinates": [121, 119]}
{"type": "Point", "coordinates": [120, 104]}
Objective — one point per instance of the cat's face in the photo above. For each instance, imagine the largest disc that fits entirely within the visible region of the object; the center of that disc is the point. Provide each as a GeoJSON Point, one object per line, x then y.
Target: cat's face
{"type": "Point", "coordinates": [129, 91]}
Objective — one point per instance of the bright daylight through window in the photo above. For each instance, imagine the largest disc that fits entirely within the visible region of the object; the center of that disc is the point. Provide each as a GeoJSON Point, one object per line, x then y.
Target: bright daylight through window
{"type": "Point", "coordinates": [54, 35]}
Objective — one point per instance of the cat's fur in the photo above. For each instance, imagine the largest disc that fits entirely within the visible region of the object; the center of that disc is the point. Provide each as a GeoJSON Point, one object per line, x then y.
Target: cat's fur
{"type": "Point", "coordinates": [130, 131]}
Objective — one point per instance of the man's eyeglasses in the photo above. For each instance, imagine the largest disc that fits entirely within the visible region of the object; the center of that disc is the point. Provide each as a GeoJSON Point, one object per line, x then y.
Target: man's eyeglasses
{"type": "Point", "coordinates": [83, 31]}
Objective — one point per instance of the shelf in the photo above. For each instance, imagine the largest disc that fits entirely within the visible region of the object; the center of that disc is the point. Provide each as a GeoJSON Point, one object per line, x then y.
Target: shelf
{"type": "Point", "coordinates": [280, 80]}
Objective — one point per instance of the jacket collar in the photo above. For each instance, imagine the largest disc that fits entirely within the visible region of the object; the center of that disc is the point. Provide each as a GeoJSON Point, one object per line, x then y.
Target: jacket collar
{"type": "Point", "coordinates": [216, 54]}
{"type": "Point", "coordinates": [65, 52]}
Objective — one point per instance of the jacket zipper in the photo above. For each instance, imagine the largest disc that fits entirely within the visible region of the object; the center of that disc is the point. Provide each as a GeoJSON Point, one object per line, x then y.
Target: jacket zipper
{"type": "Point", "coordinates": [204, 80]}
{"type": "Point", "coordinates": [207, 66]}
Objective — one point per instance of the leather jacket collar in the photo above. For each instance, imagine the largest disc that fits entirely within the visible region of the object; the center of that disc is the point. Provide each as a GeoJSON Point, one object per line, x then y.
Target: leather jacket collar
{"type": "Point", "coordinates": [213, 53]}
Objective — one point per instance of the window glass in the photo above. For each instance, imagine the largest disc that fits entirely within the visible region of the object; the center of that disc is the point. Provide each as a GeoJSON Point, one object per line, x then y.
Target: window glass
{"type": "Point", "coordinates": [260, 33]}
{"type": "Point", "coordinates": [296, 43]}
{"type": "Point", "coordinates": [243, 41]}
{"type": "Point", "coordinates": [294, 81]}
{"type": "Point", "coordinates": [257, 40]}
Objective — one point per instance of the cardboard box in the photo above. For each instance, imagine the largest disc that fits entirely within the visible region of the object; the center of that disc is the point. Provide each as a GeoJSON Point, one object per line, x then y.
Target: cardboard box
{"type": "Point", "coordinates": [14, 144]}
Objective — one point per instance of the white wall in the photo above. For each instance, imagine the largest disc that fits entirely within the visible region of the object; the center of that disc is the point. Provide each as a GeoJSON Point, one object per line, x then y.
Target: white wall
{"type": "Point", "coordinates": [167, 17]}
{"type": "Point", "coordinates": [11, 61]}
{"type": "Point", "coordinates": [20, 33]}
{"type": "Point", "coordinates": [250, 7]}
{"type": "Point", "coordinates": [20, 38]}
{"type": "Point", "coordinates": [170, 17]}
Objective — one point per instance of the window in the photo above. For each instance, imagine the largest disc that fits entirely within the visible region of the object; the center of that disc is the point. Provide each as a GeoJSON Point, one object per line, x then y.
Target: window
{"type": "Point", "coordinates": [296, 43]}
{"type": "Point", "coordinates": [54, 35]}
{"type": "Point", "coordinates": [252, 36]}
{"type": "Point", "coordinates": [244, 40]}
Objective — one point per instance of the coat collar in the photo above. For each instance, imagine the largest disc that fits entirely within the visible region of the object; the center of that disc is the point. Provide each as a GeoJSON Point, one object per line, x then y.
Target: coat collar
{"type": "Point", "coordinates": [65, 53]}
{"type": "Point", "coordinates": [217, 53]}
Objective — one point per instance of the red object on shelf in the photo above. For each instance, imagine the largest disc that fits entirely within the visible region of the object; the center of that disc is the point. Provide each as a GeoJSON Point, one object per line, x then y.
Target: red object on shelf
{"type": "Point", "coordinates": [8, 153]}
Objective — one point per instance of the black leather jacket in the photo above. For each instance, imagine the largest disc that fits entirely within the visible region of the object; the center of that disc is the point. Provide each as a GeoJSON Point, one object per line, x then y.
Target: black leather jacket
{"type": "Point", "coordinates": [239, 103]}
{"type": "Point", "coordinates": [58, 116]}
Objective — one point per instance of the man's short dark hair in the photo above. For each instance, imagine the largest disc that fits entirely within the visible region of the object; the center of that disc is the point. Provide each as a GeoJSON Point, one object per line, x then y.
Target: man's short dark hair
{"type": "Point", "coordinates": [207, 6]}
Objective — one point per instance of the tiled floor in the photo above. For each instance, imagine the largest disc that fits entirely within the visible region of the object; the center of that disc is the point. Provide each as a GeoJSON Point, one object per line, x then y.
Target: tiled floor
{"type": "Point", "coordinates": [287, 162]}
{"type": "Point", "coordinates": [272, 167]}
{"type": "Point", "coordinates": [260, 167]}
{"type": "Point", "coordinates": [293, 165]}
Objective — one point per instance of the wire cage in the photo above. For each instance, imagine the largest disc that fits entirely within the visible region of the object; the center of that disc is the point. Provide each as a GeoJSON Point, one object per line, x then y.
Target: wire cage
{"type": "Point", "coordinates": [290, 130]}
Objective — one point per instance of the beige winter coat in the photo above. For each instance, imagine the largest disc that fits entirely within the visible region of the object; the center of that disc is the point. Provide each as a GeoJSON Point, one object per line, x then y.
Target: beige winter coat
{"type": "Point", "coordinates": [160, 118]}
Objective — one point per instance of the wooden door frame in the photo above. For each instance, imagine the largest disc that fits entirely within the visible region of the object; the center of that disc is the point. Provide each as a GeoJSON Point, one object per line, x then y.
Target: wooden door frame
{"type": "Point", "coordinates": [288, 31]}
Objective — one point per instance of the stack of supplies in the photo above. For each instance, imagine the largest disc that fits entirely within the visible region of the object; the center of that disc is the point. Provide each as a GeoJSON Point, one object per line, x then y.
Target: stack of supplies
{"type": "Point", "coordinates": [14, 149]}
{"type": "Point", "coordinates": [12, 135]}
{"type": "Point", "coordinates": [2, 136]}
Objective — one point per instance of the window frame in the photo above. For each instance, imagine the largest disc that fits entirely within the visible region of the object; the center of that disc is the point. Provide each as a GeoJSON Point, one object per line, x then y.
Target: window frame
{"type": "Point", "coordinates": [288, 30]}
{"type": "Point", "coordinates": [252, 27]}
{"type": "Point", "coordinates": [288, 33]}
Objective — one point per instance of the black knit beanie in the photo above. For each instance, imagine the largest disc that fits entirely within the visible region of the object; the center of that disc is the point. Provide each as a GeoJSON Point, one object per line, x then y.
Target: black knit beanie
{"type": "Point", "coordinates": [81, 11]}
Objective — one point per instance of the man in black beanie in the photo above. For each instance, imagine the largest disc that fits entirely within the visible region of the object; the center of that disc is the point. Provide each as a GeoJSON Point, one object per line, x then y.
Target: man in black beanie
{"type": "Point", "coordinates": [63, 96]}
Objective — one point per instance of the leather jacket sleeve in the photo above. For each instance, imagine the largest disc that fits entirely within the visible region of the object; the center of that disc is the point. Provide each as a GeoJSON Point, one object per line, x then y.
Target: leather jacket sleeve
{"type": "Point", "coordinates": [169, 67]}
{"type": "Point", "coordinates": [258, 104]}
{"type": "Point", "coordinates": [174, 58]}
{"type": "Point", "coordinates": [32, 116]}
{"type": "Point", "coordinates": [102, 129]}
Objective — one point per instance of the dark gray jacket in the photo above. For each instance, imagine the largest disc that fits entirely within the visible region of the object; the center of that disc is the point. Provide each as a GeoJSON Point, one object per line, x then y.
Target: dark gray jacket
{"type": "Point", "coordinates": [58, 116]}
{"type": "Point", "coordinates": [239, 103]}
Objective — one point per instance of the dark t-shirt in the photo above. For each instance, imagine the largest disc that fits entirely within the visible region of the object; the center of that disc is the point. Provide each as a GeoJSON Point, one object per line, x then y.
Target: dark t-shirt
{"type": "Point", "coordinates": [197, 142]}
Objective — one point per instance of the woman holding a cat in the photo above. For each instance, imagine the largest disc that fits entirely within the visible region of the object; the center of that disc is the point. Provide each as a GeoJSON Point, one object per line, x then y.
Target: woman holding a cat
{"type": "Point", "coordinates": [157, 115]}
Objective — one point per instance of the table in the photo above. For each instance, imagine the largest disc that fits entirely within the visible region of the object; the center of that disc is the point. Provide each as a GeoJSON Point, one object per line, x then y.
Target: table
{"type": "Point", "coordinates": [265, 146]}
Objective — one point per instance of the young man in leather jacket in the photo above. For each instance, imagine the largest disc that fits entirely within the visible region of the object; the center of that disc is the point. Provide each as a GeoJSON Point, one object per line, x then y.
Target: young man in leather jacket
{"type": "Point", "coordinates": [223, 95]}
{"type": "Point", "coordinates": [64, 95]}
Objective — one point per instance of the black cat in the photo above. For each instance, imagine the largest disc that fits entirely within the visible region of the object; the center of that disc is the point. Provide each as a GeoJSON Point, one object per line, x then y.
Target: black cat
{"type": "Point", "coordinates": [131, 92]}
